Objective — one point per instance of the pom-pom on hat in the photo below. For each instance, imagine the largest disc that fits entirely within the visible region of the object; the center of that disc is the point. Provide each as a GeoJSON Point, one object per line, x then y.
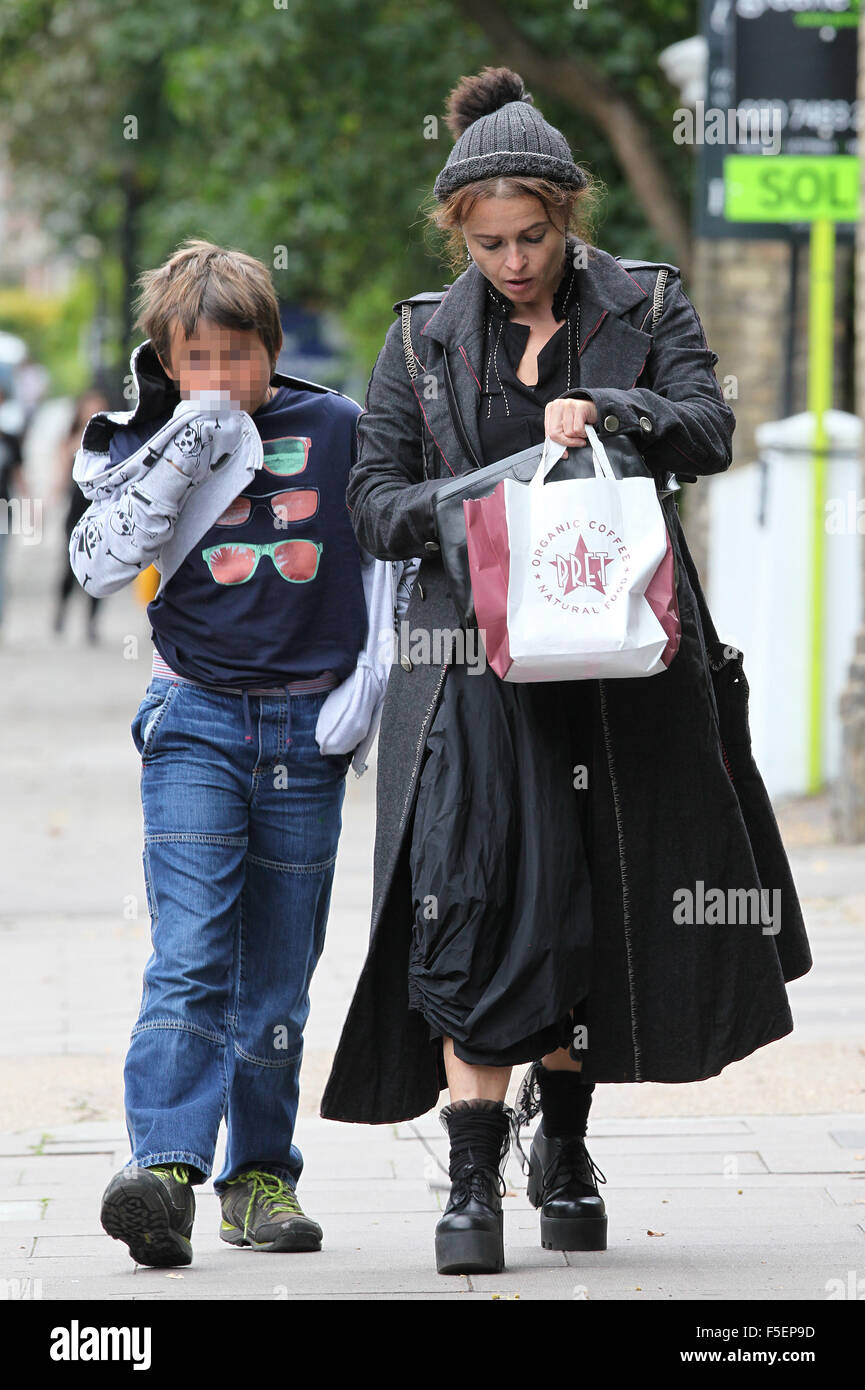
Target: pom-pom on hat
{"type": "Point", "coordinates": [499, 132]}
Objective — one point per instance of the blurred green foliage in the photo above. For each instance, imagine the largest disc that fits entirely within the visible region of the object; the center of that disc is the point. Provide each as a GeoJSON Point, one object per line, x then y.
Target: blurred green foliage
{"type": "Point", "coordinates": [289, 128]}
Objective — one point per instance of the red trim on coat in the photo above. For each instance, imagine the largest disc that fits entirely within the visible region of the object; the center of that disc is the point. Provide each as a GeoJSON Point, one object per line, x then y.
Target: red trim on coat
{"type": "Point", "coordinates": [636, 282]}
{"type": "Point", "coordinates": [431, 317]}
{"type": "Point", "coordinates": [429, 427]}
{"type": "Point", "coordinates": [592, 331]}
{"type": "Point", "coordinates": [680, 451]}
{"type": "Point", "coordinates": [640, 372]}
{"type": "Point", "coordinates": [469, 365]}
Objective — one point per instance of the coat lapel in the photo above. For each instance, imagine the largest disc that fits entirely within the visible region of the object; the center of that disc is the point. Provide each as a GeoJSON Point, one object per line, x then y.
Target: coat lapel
{"type": "Point", "coordinates": [612, 353]}
{"type": "Point", "coordinates": [458, 327]}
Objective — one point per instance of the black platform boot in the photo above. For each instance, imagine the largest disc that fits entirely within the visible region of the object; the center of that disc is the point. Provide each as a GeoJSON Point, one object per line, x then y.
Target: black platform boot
{"type": "Point", "coordinates": [469, 1237]}
{"type": "Point", "coordinates": [562, 1178]}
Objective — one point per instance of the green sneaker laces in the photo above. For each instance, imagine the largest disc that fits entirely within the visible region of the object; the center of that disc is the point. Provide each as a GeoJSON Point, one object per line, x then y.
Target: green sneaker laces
{"type": "Point", "coordinates": [178, 1171]}
{"type": "Point", "coordinates": [274, 1194]}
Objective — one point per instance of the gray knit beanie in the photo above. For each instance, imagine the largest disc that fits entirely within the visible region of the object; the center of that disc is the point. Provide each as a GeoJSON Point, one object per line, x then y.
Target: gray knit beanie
{"type": "Point", "coordinates": [500, 133]}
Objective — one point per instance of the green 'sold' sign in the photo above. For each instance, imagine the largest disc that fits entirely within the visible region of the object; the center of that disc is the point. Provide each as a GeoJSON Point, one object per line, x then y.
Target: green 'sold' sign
{"type": "Point", "coordinates": [791, 188]}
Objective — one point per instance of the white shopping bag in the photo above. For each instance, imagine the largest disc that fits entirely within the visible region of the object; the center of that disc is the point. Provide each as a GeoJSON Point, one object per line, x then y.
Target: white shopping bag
{"type": "Point", "coordinates": [583, 553]}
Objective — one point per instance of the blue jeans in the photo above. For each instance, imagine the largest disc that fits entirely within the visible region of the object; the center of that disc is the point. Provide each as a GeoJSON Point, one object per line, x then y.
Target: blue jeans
{"type": "Point", "coordinates": [240, 842]}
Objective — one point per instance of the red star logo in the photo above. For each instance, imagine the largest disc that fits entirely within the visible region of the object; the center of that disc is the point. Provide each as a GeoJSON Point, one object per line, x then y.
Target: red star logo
{"type": "Point", "coordinates": [581, 568]}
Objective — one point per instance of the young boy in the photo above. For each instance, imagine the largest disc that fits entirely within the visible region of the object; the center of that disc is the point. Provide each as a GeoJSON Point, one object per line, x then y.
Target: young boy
{"type": "Point", "coordinates": [232, 478]}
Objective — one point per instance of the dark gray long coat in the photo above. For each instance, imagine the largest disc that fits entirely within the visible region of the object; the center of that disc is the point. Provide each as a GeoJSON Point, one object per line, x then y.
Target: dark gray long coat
{"type": "Point", "coordinates": [669, 1002]}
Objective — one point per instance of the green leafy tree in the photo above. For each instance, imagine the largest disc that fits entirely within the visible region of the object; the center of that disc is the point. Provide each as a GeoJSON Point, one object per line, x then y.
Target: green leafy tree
{"type": "Point", "coordinates": [311, 135]}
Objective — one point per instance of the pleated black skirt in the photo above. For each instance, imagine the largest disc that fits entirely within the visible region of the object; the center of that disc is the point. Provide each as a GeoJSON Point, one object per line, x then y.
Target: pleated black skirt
{"type": "Point", "coordinates": [500, 953]}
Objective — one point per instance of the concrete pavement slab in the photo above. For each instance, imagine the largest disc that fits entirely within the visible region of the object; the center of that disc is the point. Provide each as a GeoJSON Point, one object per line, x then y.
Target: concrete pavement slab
{"type": "Point", "coordinates": [753, 1176]}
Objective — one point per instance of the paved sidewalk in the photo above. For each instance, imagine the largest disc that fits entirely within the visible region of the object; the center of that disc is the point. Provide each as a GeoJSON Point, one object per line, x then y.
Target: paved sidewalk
{"type": "Point", "coordinates": [748, 1186]}
{"type": "Point", "coordinates": [745, 1208]}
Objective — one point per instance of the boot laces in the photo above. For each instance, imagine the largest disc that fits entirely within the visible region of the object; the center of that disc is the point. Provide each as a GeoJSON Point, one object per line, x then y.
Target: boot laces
{"type": "Point", "coordinates": [578, 1162]}
{"type": "Point", "coordinates": [572, 1163]}
{"type": "Point", "coordinates": [475, 1181]}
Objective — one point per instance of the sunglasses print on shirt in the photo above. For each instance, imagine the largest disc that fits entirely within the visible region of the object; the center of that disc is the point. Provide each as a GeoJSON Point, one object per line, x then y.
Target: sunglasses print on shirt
{"type": "Point", "coordinates": [291, 504]}
{"type": "Point", "coordinates": [236, 561]}
{"type": "Point", "coordinates": [296, 561]}
{"type": "Point", "coordinates": [287, 455]}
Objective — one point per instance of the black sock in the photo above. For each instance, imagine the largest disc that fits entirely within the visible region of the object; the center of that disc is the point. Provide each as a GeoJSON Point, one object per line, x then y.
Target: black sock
{"type": "Point", "coordinates": [479, 1134]}
{"type": "Point", "coordinates": [565, 1102]}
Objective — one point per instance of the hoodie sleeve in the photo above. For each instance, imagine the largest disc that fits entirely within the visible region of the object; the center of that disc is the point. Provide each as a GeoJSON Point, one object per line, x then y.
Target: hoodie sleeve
{"type": "Point", "coordinates": [131, 518]}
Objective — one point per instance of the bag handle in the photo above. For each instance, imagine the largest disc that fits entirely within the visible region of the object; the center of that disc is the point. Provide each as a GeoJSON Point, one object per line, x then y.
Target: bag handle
{"type": "Point", "coordinates": [599, 456]}
{"type": "Point", "coordinates": [603, 468]}
{"type": "Point", "coordinates": [552, 452]}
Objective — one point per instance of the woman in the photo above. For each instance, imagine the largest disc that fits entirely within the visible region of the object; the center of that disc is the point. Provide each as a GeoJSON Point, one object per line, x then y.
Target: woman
{"type": "Point", "coordinates": [533, 841]}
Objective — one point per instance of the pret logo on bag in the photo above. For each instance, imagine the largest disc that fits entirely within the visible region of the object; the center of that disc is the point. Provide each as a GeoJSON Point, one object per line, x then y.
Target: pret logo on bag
{"type": "Point", "coordinates": [582, 568]}
{"type": "Point", "coordinates": [599, 568]}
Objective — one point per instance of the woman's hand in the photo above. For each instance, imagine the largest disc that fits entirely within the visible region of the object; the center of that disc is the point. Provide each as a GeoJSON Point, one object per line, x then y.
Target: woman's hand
{"type": "Point", "coordinates": [565, 420]}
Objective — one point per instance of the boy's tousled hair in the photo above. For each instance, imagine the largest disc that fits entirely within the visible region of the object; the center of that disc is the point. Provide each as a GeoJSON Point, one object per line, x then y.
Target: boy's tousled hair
{"type": "Point", "coordinates": [205, 281]}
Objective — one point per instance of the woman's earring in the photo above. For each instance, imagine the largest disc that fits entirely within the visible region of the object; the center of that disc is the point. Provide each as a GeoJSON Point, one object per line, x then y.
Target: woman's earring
{"type": "Point", "coordinates": [468, 255]}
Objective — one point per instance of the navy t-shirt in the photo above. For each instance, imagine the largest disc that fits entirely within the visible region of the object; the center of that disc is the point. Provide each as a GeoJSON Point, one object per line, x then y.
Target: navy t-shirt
{"type": "Point", "coordinates": [273, 591]}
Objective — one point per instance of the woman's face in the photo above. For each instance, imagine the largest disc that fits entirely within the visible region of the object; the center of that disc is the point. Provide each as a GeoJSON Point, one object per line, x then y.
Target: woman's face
{"type": "Point", "coordinates": [514, 243]}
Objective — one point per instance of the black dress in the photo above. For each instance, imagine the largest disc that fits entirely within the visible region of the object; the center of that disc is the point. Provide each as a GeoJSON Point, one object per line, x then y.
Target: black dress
{"type": "Point", "coordinates": [502, 931]}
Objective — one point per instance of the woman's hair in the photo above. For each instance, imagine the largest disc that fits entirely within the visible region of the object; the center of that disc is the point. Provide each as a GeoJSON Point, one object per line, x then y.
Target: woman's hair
{"type": "Point", "coordinates": [205, 281]}
{"type": "Point", "coordinates": [570, 209]}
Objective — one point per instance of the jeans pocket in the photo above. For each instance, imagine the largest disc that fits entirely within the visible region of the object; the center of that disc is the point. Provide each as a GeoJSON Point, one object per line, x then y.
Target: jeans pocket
{"type": "Point", "coordinates": [150, 714]}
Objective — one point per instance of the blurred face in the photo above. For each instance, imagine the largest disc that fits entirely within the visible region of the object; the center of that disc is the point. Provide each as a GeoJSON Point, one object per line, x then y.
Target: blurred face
{"type": "Point", "coordinates": [517, 247]}
{"type": "Point", "coordinates": [214, 358]}
{"type": "Point", "coordinates": [93, 402]}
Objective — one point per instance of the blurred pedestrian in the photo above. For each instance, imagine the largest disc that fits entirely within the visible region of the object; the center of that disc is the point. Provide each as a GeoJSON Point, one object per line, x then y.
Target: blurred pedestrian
{"type": "Point", "coordinates": [31, 384]}
{"type": "Point", "coordinates": [11, 483]}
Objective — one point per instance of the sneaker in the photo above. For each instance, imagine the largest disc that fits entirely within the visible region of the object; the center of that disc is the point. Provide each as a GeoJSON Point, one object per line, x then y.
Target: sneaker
{"type": "Point", "coordinates": [262, 1210]}
{"type": "Point", "coordinates": [151, 1210]}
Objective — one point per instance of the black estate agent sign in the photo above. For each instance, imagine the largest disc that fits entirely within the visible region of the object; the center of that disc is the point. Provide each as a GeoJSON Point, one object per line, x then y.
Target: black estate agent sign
{"type": "Point", "coordinates": [783, 72]}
